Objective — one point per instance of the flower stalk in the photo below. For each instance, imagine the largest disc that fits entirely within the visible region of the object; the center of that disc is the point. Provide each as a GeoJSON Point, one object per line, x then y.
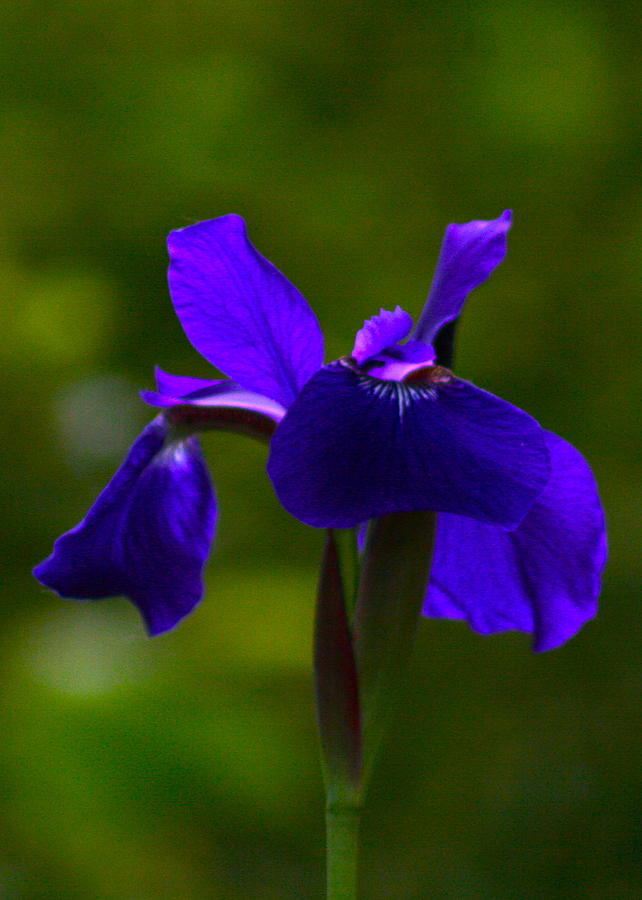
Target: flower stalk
{"type": "Point", "coordinates": [339, 719]}
{"type": "Point", "coordinates": [336, 683]}
{"type": "Point", "coordinates": [342, 836]}
{"type": "Point", "coordinates": [392, 591]}
{"type": "Point", "coordinates": [359, 669]}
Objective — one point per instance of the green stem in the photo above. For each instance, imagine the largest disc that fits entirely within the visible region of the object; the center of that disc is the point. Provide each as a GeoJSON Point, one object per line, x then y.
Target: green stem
{"type": "Point", "coordinates": [342, 830]}
{"type": "Point", "coordinates": [391, 592]}
{"type": "Point", "coordinates": [359, 668]}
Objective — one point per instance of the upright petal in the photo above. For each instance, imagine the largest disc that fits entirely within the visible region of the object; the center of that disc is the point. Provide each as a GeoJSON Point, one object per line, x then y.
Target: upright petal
{"type": "Point", "coordinates": [542, 578]}
{"type": "Point", "coordinates": [469, 254]}
{"type": "Point", "coordinates": [240, 312]}
{"type": "Point", "coordinates": [147, 536]}
{"type": "Point", "coordinates": [353, 447]}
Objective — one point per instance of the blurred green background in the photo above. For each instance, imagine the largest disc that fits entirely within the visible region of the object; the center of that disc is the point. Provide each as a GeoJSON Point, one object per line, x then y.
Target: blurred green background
{"type": "Point", "coordinates": [348, 136]}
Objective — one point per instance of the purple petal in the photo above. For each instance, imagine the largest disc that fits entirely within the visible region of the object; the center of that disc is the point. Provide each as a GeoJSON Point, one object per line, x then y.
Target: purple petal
{"type": "Point", "coordinates": [543, 578]}
{"type": "Point", "coordinates": [353, 447]}
{"type": "Point", "coordinates": [381, 331]}
{"type": "Point", "coordinates": [399, 362]}
{"type": "Point", "coordinates": [240, 312]}
{"type": "Point", "coordinates": [147, 536]}
{"type": "Point", "coordinates": [469, 253]}
{"type": "Point", "coordinates": [182, 385]}
{"type": "Point", "coordinates": [179, 390]}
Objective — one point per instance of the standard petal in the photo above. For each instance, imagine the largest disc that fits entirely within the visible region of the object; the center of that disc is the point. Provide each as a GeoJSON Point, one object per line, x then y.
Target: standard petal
{"type": "Point", "coordinates": [353, 447]}
{"type": "Point", "coordinates": [147, 536]}
{"type": "Point", "coordinates": [469, 254]}
{"type": "Point", "coordinates": [179, 390]}
{"type": "Point", "coordinates": [240, 312]}
{"type": "Point", "coordinates": [542, 578]}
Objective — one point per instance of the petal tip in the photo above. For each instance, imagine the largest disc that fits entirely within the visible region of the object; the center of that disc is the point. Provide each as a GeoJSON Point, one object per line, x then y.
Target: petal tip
{"type": "Point", "coordinates": [156, 625]}
{"type": "Point", "coordinates": [233, 220]}
{"type": "Point", "coordinates": [470, 252]}
{"type": "Point", "coordinates": [39, 572]}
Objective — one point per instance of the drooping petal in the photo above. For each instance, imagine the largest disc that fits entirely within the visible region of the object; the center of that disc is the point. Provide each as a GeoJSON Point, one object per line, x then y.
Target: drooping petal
{"type": "Point", "coordinates": [353, 447]}
{"type": "Point", "coordinates": [542, 578]}
{"type": "Point", "coordinates": [240, 312]}
{"type": "Point", "coordinates": [381, 331]}
{"type": "Point", "coordinates": [179, 390]}
{"type": "Point", "coordinates": [469, 254]}
{"type": "Point", "coordinates": [147, 536]}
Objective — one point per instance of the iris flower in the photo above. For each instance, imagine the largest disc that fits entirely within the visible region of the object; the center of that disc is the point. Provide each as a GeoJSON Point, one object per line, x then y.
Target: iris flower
{"type": "Point", "coordinates": [520, 540]}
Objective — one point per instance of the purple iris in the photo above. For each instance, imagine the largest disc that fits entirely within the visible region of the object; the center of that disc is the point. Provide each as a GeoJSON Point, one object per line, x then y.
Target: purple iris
{"type": "Point", "coordinates": [520, 538]}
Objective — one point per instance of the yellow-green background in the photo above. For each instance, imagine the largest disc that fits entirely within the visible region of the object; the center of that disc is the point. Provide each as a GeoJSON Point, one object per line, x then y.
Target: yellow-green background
{"type": "Point", "coordinates": [348, 135]}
